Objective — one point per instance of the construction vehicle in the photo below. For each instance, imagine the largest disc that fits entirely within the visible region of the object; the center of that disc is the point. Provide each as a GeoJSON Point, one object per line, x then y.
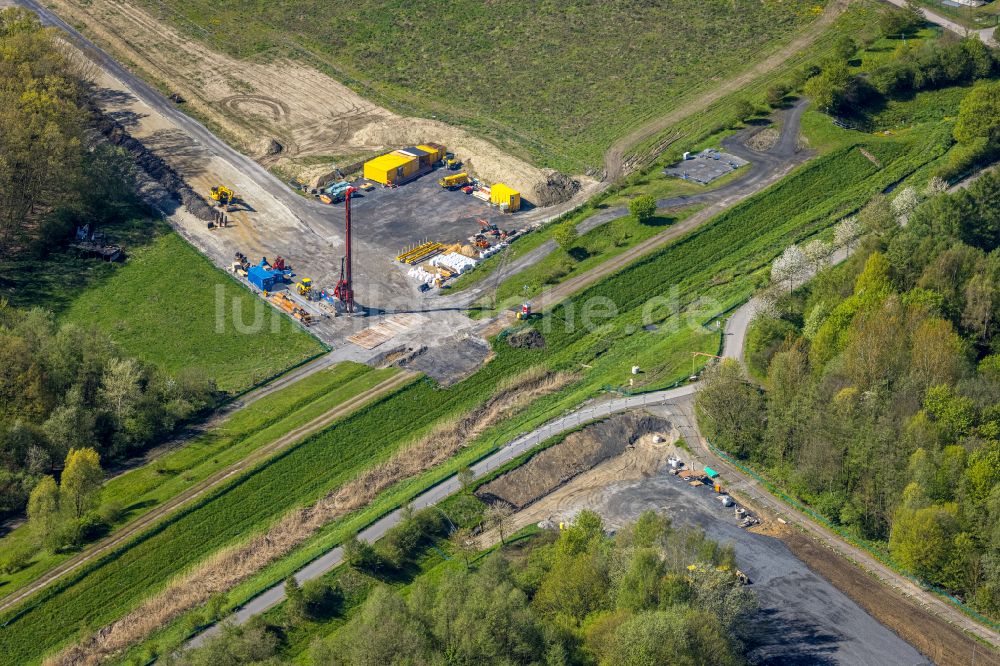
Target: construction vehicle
{"type": "Point", "coordinates": [525, 312]}
{"type": "Point", "coordinates": [453, 163]}
{"type": "Point", "coordinates": [224, 196]}
{"type": "Point", "coordinates": [344, 291]}
{"type": "Point", "coordinates": [454, 181]}
{"type": "Point", "coordinates": [336, 192]}
{"type": "Point", "coordinates": [304, 287]}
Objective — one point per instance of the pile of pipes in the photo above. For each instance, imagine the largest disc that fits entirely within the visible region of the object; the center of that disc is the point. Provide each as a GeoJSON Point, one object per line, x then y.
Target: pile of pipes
{"type": "Point", "coordinates": [493, 249]}
{"type": "Point", "coordinates": [455, 262]}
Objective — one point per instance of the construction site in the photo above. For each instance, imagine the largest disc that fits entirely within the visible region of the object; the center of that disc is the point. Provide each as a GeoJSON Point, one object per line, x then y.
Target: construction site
{"type": "Point", "coordinates": [414, 216]}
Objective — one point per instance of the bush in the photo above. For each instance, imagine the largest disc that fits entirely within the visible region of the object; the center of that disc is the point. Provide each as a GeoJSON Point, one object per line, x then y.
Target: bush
{"type": "Point", "coordinates": [321, 599]}
{"type": "Point", "coordinates": [642, 208]}
{"type": "Point", "coordinates": [17, 558]}
{"type": "Point", "coordinates": [362, 556]}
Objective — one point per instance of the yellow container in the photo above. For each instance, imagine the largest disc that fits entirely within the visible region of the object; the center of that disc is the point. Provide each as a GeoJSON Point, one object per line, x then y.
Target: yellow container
{"type": "Point", "coordinates": [436, 151]}
{"type": "Point", "coordinates": [390, 168]}
{"type": "Point", "coordinates": [501, 194]}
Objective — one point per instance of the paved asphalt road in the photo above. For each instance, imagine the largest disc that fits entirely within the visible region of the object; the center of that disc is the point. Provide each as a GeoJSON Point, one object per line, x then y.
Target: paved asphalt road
{"type": "Point", "coordinates": [985, 34]}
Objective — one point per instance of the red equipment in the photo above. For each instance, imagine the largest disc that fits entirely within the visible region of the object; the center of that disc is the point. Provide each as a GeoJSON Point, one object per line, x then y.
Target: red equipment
{"type": "Point", "coordinates": [279, 264]}
{"type": "Point", "coordinates": [344, 291]}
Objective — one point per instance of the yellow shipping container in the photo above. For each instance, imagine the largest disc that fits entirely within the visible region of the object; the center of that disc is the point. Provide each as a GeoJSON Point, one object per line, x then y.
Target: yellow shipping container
{"type": "Point", "coordinates": [390, 168]}
{"type": "Point", "coordinates": [436, 151]}
{"type": "Point", "coordinates": [501, 194]}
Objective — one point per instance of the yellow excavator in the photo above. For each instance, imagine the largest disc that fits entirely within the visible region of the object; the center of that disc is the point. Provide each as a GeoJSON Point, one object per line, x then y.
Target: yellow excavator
{"type": "Point", "coordinates": [304, 287]}
{"type": "Point", "coordinates": [224, 196]}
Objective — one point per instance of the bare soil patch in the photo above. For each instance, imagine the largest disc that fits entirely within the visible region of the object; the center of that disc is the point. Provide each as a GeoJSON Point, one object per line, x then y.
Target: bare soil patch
{"type": "Point", "coordinates": [305, 111]}
{"type": "Point", "coordinates": [764, 140]}
{"type": "Point", "coordinates": [579, 452]}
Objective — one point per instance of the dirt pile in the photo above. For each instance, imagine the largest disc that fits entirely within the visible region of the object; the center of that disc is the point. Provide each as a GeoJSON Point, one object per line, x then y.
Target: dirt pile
{"type": "Point", "coordinates": [578, 453]}
{"type": "Point", "coordinates": [764, 140]}
{"type": "Point", "coordinates": [305, 111]}
{"type": "Point", "coordinates": [156, 168]}
{"type": "Point", "coordinates": [558, 187]}
{"type": "Point", "coordinates": [528, 338]}
{"type": "Point", "coordinates": [226, 569]}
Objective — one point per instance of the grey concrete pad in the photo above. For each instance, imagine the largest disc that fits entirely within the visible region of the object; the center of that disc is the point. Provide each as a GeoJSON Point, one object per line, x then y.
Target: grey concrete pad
{"type": "Point", "coordinates": [706, 166]}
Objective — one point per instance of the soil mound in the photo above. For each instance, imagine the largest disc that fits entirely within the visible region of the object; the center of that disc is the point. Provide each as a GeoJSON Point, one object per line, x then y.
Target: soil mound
{"type": "Point", "coordinates": [578, 453]}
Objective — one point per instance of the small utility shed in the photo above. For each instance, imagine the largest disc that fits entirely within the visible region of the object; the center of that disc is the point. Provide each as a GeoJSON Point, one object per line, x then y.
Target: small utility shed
{"type": "Point", "coordinates": [436, 151]}
{"type": "Point", "coordinates": [263, 277]}
{"type": "Point", "coordinates": [506, 197]}
{"type": "Point", "coordinates": [424, 158]}
{"type": "Point", "coordinates": [391, 168]}
{"type": "Point", "coordinates": [711, 473]}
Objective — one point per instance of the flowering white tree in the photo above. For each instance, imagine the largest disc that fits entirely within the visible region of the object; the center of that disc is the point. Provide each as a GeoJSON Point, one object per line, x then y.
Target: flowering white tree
{"type": "Point", "coordinates": [846, 233]}
{"type": "Point", "coordinates": [817, 254]}
{"type": "Point", "coordinates": [789, 266]}
{"type": "Point", "coordinates": [904, 203]}
{"type": "Point", "coordinates": [936, 186]}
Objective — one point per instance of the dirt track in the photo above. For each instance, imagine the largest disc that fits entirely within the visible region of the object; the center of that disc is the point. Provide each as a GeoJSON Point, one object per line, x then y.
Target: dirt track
{"type": "Point", "coordinates": [614, 158]}
{"type": "Point", "coordinates": [140, 524]}
{"type": "Point", "coordinates": [310, 114]}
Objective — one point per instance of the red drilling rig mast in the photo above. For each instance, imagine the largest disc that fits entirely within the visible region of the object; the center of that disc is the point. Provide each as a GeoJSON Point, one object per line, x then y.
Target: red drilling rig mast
{"type": "Point", "coordinates": [344, 291]}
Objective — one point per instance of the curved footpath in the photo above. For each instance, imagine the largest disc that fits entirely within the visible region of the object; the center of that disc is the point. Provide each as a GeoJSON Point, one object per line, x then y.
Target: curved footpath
{"type": "Point", "coordinates": [185, 497]}
{"type": "Point", "coordinates": [735, 335]}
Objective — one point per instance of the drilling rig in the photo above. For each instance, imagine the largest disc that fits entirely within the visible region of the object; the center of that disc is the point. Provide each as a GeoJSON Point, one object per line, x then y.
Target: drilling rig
{"type": "Point", "coordinates": [344, 291]}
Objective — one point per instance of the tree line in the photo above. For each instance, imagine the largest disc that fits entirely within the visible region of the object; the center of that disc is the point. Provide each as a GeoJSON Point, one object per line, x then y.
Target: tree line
{"type": "Point", "coordinates": [840, 89]}
{"type": "Point", "coordinates": [64, 388]}
{"type": "Point", "coordinates": [54, 174]}
{"type": "Point", "coordinates": [652, 593]}
{"type": "Point", "coordinates": [68, 388]}
{"type": "Point", "coordinates": [879, 395]}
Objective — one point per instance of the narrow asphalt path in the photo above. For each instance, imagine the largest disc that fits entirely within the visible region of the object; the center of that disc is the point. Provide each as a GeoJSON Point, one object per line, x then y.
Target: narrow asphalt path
{"type": "Point", "coordinates": [185, 497]}
{"type": "Point", "coordinates": [734, 342]}
{"type": "Point", "coordinates": [734, 336]}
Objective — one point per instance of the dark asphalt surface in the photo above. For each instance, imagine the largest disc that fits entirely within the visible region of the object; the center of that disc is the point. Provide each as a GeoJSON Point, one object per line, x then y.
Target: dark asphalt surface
{"type": "Point", "coordinates": [803, 618]}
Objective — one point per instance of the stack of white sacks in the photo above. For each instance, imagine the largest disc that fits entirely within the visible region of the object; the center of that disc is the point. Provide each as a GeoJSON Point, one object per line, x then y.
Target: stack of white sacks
{"type": "Point", "coordinates": [420, 275]}
{"type": "Point", "coordinates": [453, 261]}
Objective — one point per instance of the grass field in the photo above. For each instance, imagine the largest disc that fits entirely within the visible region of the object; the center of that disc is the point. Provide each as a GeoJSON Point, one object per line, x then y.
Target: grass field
{"type": "Point", "coordinates": [557, 82]}
{"type": "Point", "coordinates": [170, 306]}
{"type": "Point", "coordinates": [144, 488]}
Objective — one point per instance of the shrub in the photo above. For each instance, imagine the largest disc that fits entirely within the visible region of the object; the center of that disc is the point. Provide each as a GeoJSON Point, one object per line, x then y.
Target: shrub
{"type": "Point", "coordinates": [17, 558]}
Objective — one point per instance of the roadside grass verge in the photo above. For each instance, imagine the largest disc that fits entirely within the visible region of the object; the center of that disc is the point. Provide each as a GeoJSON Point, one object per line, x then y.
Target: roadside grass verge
{"type": "Point", "coordinates": [590, 250]}
{"type": "Point", "coordinates": [170, 306]}
{"type": "Point", "coordinates": [701, 130]}
{"type": "Point", "coordinates": [142, 489]}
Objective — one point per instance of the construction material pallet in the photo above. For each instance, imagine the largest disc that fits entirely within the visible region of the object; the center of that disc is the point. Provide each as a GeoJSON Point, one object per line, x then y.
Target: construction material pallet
{"type": "Point", "coordinates": [380, 333]}
{"type": "Point", "coordinates": [420, 253]}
